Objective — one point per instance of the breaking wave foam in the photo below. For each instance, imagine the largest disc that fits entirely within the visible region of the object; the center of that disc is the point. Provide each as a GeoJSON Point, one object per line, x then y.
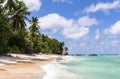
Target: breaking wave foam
{"type": "Point", "coordinates": [57, 70]}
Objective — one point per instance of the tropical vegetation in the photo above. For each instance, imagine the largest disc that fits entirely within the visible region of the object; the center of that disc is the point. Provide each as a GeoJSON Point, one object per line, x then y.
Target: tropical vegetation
{"type": "Point", "coordinates": [16, 38]}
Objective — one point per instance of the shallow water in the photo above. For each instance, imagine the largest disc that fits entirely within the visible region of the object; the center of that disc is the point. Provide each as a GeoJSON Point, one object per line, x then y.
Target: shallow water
{"type": "Point", "coordinates": [96, 67]}
{"type": "Point", "coordinates": [85, 67]}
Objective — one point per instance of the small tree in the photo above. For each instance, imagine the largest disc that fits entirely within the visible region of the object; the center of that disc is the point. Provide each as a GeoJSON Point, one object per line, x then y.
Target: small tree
{"type": "Point", "coordinates": [65, 51]}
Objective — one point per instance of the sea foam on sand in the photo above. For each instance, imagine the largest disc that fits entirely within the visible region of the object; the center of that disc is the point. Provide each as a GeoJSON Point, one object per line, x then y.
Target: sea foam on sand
{"type": "Point", "coordinates": [57, 70]}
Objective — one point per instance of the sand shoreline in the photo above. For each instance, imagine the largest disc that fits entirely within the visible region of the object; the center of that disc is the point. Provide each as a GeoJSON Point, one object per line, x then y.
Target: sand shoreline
{"type": "Point", "coordinates": [24, 66]}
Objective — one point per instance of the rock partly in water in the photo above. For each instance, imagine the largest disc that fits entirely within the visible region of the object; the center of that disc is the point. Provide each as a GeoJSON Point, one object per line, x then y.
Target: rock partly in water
{"type": "Point", "coordinates": [92, 54]}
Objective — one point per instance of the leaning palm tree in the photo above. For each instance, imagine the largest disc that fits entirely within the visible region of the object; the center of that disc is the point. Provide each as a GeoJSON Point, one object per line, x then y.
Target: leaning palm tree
{"type": "Point", "coordinates": [18, 23]}
{"type": "Point", "coordinates": [34, 28]}
{"type": "Point", "coordinates": [19, 16]}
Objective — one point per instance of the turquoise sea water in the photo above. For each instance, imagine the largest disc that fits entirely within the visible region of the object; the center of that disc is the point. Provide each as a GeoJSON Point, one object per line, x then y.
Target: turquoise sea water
{"type": "Point", "coordinates": [95, 67]}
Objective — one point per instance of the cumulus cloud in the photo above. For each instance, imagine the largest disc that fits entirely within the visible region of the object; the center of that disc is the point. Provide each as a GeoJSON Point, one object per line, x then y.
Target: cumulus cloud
{"type": "Point", "coordinates": [63, 1]}
{"type": "Point", "coordinates": [114, 29]}
{"type": "Point", "coordinates": [75, 32]}
{"type": "Point", "coordinates": [102, 6]}
{"type": "Point", "coordinates": [53, 21]}
{"type": "Point", "coordinates": [33, 5]}
{"type": "Point", "coordinates": [69, 28]}
{"type": "Point", "coordinates": [87, 21]}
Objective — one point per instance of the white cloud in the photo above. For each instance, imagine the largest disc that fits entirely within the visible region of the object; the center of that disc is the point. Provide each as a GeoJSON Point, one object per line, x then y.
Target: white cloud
{"type": "Point", "coordinates": [114, 29]}
{"type": "Point", "coordinates": [53, 21]}
{"type": "Point", "coordinates": [33, 5]}
{"type": "Point", "coordinates": [87, 21]}
{"type": "Point", "coordinates": [64, 1]}
{"type": "Point", "coordinates": [75, 32]}
{"type": "Point", "coordinates": [97, 34]}
{"type": "Point", "coordinates": [69, 28]}
{"type": "Point", "coordinates": [102, 6]}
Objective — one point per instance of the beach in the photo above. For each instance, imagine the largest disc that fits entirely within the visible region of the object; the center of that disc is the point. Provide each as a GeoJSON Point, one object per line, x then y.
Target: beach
{"type": "Point", "coordinates": [24, 66]}
{"type": "Point", "coordinates": [19, 66]}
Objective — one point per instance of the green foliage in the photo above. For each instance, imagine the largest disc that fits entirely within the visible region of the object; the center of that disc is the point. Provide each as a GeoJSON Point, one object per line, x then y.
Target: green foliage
{"type": "Point", "coordinates": [15, 38]}
{"type": "Point", "coordinates": [19, 16]}
{"type": "Point", "coordinates": [14, 49]}
{"type": "Point", "coordinates": [4, 33]}
{"type": "Point", "coordinates": [66, 49]}
{"type": "Point", "coordinates": [17, 41]}
{"type": "Point", "coordinates": [1, 1]}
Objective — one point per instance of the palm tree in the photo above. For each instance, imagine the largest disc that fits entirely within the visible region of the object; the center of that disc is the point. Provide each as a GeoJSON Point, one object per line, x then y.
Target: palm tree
{"type": "Point", "coordinates": [19, 17]}
{"type": "Point", "coordinates": [18, 24]}
{"type": "Point", "coordinates": [34, 33]}
{"type": "Point", "coordinates": [34, 28]}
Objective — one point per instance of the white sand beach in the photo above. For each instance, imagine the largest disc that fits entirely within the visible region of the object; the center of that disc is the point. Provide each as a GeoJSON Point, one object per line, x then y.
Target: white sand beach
{"type": "Point", "coordinates": [19, 66]}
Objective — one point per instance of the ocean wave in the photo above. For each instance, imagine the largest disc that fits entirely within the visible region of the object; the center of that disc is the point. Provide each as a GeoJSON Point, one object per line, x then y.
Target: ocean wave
{"type": "Point", "coordinates": [56, 70]}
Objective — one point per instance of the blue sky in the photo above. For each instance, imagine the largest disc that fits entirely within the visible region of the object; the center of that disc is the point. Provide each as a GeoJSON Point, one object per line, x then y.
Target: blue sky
{"type": "Point", "coordinates": [86, 26]}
